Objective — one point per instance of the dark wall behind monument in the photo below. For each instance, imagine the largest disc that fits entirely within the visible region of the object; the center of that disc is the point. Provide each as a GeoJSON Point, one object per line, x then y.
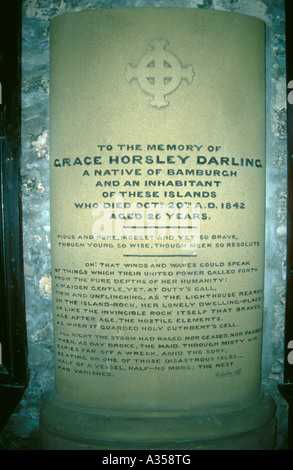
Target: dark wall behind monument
{"type": "Point", "coordinates": [22, 429]}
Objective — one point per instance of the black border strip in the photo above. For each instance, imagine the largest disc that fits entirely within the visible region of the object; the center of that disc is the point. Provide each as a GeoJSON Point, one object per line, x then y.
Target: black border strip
{"type": "Point", "coordinates": [13, 371]}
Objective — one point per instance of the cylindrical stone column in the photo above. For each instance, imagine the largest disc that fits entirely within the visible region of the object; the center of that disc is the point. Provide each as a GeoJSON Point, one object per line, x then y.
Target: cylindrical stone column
{"type": "Point", "coordinates": [157, 206]}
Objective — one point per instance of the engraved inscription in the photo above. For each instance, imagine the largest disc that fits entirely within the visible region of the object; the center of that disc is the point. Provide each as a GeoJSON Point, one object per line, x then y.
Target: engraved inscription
{"type": "Point", "coordinates": [159, 73]}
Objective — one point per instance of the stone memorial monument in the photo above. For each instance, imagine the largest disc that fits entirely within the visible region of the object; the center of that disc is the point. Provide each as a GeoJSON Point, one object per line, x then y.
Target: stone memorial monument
{"type": "Point", "coordinates": [157, 211]}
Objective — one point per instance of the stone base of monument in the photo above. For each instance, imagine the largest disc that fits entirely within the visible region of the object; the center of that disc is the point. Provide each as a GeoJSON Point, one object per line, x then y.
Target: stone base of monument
{"type": "Point", "coordinates": [246, 426]}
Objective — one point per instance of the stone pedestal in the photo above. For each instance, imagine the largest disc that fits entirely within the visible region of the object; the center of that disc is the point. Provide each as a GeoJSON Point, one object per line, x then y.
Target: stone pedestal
{"type": "Point", "coordinates": [157, 209]}
{"type": "Point", "coordinates": [250, 427]}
